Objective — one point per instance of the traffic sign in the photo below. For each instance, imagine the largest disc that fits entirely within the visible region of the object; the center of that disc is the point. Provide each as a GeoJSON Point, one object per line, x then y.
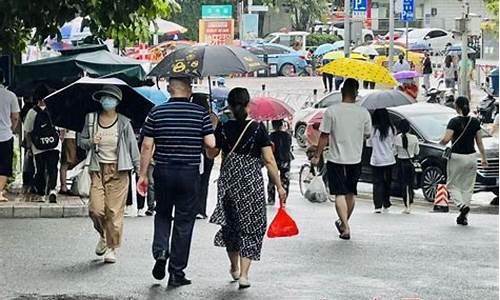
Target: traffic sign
{"type": "Point", "coordinates": [216, 11]}
{"type": "Point", "coordinates": [359, 5]}
{"type": "Point", "coordinates": [258, 8]}
{"type": "Point", "coordinates": [408, 11]}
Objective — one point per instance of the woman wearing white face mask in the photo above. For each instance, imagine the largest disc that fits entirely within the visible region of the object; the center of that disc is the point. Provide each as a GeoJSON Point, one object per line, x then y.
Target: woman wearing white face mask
{"type": "Point", "coordinates": [110, 139]}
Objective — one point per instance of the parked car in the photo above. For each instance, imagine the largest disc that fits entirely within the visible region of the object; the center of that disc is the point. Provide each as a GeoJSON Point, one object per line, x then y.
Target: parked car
{"type": "Point", "coordinates": [288, 61]}
{"type": "Point", "coordinates": [338, 29]}
{"type": "Point", "coordinates": [436, 38]}
{"type": "Point", "coordinates": [428, 122]}
{"type": "Point", "coordinates": [288, 39]}
{"type": "Point", "coordinates": [398, 32]}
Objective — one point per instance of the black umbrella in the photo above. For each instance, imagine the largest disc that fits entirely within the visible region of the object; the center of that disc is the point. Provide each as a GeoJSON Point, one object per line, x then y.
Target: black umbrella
{"type": "Point", "coordinates": [205, 60]}
{"type": "Point", "coordinates": [69, 106]}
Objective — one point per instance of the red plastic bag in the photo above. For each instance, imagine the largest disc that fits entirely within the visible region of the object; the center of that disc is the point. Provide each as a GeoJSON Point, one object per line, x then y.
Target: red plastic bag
{"type": "Point", "coordinates": [282, 225]}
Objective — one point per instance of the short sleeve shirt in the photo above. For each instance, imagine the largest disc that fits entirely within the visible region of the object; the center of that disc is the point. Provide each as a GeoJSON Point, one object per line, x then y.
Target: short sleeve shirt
{"type": "Point", "coordinates": [348, 125]}
{"type": "Point", "coordinates": [227, 134]}
{"type": "Point", "coordinates": [465, 145]}
{"type": "Point", "coordinates": [8, 105]}
{"type": "Point", "coordinates": [178, 128]}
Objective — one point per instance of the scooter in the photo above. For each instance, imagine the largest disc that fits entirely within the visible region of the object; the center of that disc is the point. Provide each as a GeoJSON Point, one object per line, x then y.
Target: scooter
{"type": "Point", "coordinates": [434, 95]}
{"type": "Point", "coordinates": [487, 108]}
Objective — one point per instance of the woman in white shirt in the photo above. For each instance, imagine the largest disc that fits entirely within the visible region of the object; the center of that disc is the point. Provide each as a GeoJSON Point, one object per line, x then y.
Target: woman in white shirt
{"type": "Point", "coordinates": [382, 160]}
{"type": "Point", "coordinates": [449, 72]}
{"type": "Point", "coordinates": [407, 148]}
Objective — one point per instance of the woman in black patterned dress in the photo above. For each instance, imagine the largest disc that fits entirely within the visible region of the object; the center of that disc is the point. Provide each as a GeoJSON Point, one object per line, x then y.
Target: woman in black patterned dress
{"type": "Point", "coordinates": [241, 206]}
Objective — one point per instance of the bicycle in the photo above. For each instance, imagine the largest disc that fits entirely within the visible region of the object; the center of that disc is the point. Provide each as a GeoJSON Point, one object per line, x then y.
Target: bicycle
{"type": "Point", "coordinates": [308, 172]}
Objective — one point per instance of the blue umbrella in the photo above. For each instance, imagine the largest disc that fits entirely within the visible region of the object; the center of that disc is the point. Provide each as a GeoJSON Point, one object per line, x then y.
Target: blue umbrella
{"type": "Point", "coordinates": [325, 48]}
{"type": "Point", "coordinates": [456, 49]}
{"type": "Point", "coordinates": [73, 30]}
{"type": "Point", "coordinates": [153, 94]}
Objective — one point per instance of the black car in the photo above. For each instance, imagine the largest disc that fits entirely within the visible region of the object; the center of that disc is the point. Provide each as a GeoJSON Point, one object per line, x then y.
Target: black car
{"type": "Point", "coordinates": [428, 122]}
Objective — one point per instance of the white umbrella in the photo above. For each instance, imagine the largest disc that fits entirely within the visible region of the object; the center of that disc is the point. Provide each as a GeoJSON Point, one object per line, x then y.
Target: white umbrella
{"type": "Point", "coordinates": [385, 98]}
{"type": "Point", "coordinates": [365, 50]}
{"type": "Point", "coordinates": [160, 26]}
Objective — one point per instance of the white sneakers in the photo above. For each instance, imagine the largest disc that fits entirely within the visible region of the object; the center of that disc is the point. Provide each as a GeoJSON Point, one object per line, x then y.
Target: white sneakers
{"type": "Point", "coordinates": [110, 256]}
{"type": "Point", "coordinates": [141, 212]}
{"type": "Point", "coordinates": [129, 211]}
{"type": "Point", "coordinates": [406, 210]}
{"type": "Point", "coordinates": [101, 247]}
{"type": "Point", "coordinates": [377, 211]}
{"type": "Point", "coordinates": [244, 283]}
{"type": "Point", "coordinates": [53, 196]}
{"type": "Point", "coordinates": [386, 210]}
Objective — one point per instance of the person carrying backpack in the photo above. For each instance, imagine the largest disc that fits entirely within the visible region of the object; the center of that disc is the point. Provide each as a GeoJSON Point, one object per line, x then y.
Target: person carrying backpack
{"type": "Point", "coordinates": [44, 143]}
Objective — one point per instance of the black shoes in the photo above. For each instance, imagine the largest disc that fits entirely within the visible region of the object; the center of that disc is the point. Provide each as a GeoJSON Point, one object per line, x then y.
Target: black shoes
{"type": "Point", "coordinates": [175, 281]}
{"type": "Point", "coordinates": [462, 217]}
{"type": "Point", "coordinates": [150, 212]}
{"type": "Point", "coordinates": [159, 269]}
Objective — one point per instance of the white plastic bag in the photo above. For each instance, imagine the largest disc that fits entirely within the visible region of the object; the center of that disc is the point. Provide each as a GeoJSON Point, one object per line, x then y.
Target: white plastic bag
{"type": "Point", "coordinates": [316, 191]}
{"type": "Point", "coordinates": [83, 180]}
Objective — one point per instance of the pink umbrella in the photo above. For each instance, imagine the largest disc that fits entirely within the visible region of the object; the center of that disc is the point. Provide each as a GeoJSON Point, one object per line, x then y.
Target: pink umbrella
{"type": "Point", "coordinates": [268, 109]}
{"type": "Point", "coordinates": [405, 75]}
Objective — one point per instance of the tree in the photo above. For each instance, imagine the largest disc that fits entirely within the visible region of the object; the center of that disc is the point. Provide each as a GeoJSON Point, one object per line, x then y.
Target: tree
{"type": "Point", "coordinates": [303, 12]}
{"type": "Point", "coordinates": [492, 6]}
{"type": "Point", "coordinates": [22, 21]}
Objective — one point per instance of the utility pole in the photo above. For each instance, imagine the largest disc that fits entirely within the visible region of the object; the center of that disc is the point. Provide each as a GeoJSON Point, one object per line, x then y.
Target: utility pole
{"type": "Point", "coordinates": [391, 33]}
{"type": "Point", "coordinates": [347, 28]}
{"type": "Point", "coordinates": [464, 80]}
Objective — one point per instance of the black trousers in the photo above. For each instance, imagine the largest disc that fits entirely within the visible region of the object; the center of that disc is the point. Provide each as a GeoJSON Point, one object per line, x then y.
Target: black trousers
{"type": "Point", "coordinates": [328, 81]}
{"type": "Point", "coordinates": [208, 164]}
{"type": "Point", "coordinates": [382, 179]}
{"type": "Point", "coordinates": [284, 171]}
{"type": "Point", "coordinates": [46, 171]}
{"type": "Point", "coordinates": [140, 199]}
{"type": "Point", "coordinates": [368, 84]}
{"type": "Point", "coordinates": [175, 186]}
{"type": "Point", "coordinates": [406, 172]}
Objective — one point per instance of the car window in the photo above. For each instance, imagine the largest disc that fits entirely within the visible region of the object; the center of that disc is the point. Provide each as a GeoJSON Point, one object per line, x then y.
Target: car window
{"type": "Point", "coordinates": [436, 34]}
{"type": "Point", "coordinates": [275, 50]}
{"type": "Point", "coordinates": [432, 126]}
{"type": "Point", "coordinates": [256, 50]}
{"type": "Point", "coordinates": [329, 100]}
{"type": "Point", "coordinates": [269, 38]}
{"type": "Point", "coordinates": [339, 25]}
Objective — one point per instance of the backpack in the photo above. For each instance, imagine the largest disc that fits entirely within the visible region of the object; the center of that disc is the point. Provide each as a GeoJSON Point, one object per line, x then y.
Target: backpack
{"type": "Point", "coordinates": [44, 135]}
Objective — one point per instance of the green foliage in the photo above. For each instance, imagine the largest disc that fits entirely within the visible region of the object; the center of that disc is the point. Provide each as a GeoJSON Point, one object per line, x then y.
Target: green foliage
{"type": "Point", "coordinates": [122, 20]}
{"type": "Point", "coordinates": [492, 6]}
{"type": "Point", "coordinates": [317, 39]}
{"type": "Point", "coordinates": [303, 12]}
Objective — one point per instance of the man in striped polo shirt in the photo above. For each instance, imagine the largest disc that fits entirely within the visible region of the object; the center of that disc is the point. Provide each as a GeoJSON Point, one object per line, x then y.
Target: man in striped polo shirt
{"type": "Point", "coordinates": [177, 131]}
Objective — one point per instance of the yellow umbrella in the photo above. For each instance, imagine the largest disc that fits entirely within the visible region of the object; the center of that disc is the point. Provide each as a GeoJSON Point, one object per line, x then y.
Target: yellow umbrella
{"type": "Point", "coordinates": [361, 70]}
{"type": "Point", "coordinates": [340, 54]}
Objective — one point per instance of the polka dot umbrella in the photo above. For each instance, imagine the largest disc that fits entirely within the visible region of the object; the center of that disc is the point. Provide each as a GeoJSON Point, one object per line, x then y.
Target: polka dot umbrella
{"type": "Point", "coordinates": [361, 70]}
{"type": "Point", "coordinates": [268, 109]}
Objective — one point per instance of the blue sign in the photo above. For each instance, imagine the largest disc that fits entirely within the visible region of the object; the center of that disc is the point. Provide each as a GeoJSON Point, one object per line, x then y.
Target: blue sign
{"type": "Point", "coordinates": [408, 12]}
{"type": "Point", "coordinates": [359, 5]}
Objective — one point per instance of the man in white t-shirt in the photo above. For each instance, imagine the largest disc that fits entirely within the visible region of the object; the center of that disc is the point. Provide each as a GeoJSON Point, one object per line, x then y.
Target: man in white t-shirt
{"type": "Point", "coordinates": [344, 127]}
{"type": "Point", "coordinates": [9, 116]}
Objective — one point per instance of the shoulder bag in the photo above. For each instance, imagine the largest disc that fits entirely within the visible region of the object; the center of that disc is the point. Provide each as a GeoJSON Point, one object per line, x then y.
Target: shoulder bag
{"type": "Point", "coordinates": [447, 152]}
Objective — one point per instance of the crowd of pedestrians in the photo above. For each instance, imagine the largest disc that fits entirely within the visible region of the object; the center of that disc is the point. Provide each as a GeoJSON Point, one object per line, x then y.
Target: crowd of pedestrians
{"type": "Point", "coordinates": [175, 154]}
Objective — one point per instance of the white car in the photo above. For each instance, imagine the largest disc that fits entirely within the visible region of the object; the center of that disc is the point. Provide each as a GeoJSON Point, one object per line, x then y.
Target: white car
{"type": "Point", "coordinates": [338, 29]}
{"type": "Point", "coordinates": [434, 37]}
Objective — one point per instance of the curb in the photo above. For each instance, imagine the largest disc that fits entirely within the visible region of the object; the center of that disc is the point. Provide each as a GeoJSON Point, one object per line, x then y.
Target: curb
{"type": "Point", "coordinates": [44, 210]}
{"type": "Point", "coordinates": [422, 203]}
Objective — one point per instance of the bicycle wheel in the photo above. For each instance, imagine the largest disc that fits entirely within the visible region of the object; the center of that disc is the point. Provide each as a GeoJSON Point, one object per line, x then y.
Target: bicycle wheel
{"type": "Point", "coordinates": [306, 174]}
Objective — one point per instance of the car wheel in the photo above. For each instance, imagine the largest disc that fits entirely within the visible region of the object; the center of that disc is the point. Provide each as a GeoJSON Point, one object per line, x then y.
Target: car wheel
{"type": "Point", "coordinates": [431, 177]}
{"type": "Point", "coordinates": [368, 38]}
{"type": "Point", "coordinates": [287, 70]}
{"type": "Point", "coordinates": [300, 135]}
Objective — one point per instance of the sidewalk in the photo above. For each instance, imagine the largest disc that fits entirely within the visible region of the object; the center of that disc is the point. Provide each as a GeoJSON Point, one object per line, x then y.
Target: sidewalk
{"type": "Point", "coordinates": [69, 207]}
{"type": "Point", "coordinates": [66, 207]}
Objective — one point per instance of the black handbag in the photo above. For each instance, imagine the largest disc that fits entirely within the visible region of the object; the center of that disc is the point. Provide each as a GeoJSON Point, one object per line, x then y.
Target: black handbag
{"type": "Point", "coordinates": [447, 151]}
